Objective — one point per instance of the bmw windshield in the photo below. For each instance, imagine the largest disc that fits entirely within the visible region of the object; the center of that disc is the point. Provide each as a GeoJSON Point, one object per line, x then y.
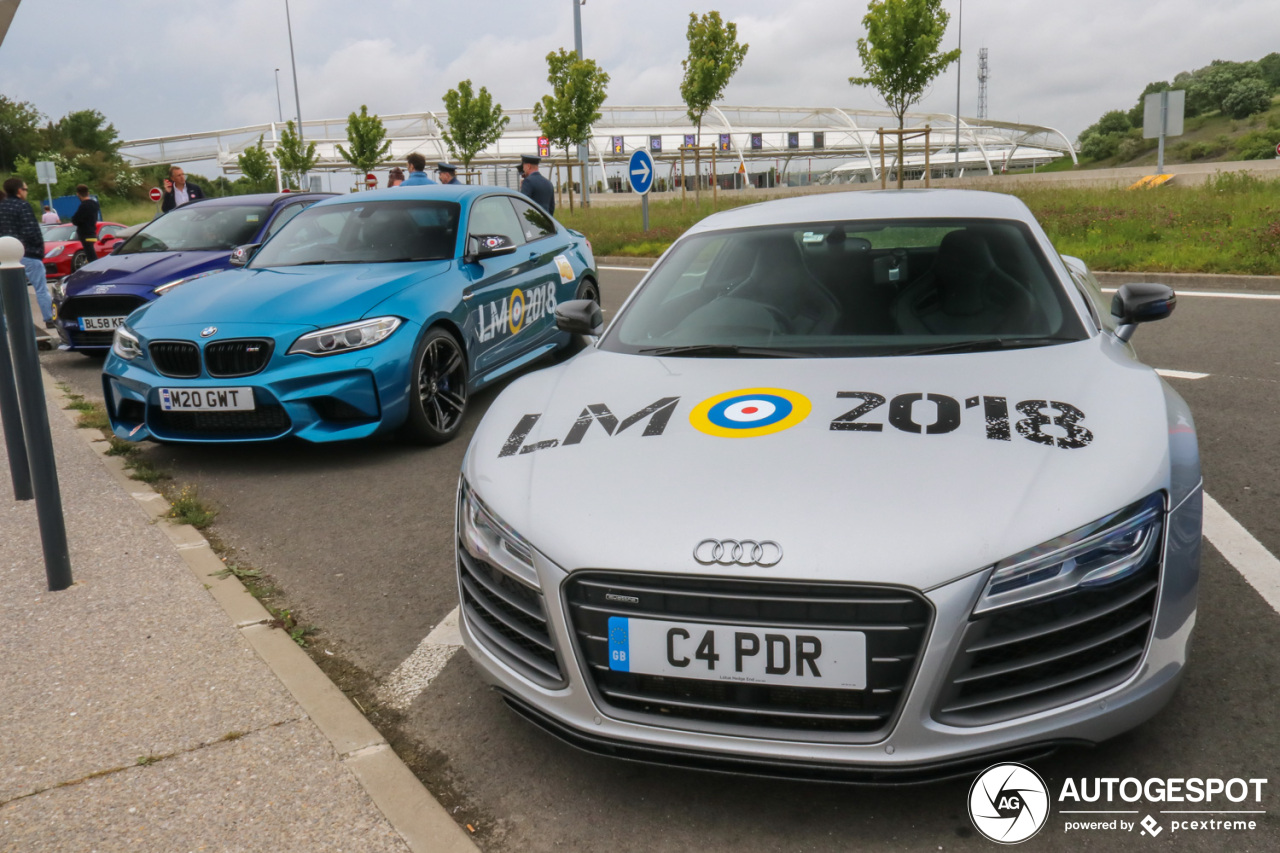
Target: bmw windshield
{"type": "Point", "coordinates": [199, 228]}
{"type": "Point", "coordinates": [365, 232]}
{"type": "Point", "coordinates": [898, 287]}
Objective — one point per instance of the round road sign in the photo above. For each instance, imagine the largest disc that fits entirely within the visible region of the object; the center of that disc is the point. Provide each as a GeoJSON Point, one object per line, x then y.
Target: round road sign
{"type": "Point", "coordinates": [640, 171]}
{"type": "Point", "coordinates": [371, 180]}
{"type": "Point", "coordinates": [155, 194]}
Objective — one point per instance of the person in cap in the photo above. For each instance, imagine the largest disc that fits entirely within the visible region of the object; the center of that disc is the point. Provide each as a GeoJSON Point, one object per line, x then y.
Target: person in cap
{"type": "Point", "coordinates": [535, 186]}
{"type": "Point", "coordinates": [417, 171]}
{"type": "Point", "coordinates": [447, 173]}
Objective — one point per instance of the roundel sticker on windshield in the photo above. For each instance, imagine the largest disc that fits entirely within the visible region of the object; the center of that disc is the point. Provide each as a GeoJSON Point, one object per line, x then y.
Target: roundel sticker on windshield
{"type": "Point", "coordinates": [515, 319]}
{"type": "Point", "coordinates": [749, 412]}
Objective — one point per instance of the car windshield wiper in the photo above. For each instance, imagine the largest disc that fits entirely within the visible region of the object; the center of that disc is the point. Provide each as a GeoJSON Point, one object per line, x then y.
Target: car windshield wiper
{"type": "Point", "coordinates": [314, 263]}
{"type": "Point", "coordinates": [731, 350]}
{"type": "Point", "coordinates": [987, 345]}
{"type": "Point", "coordinates": [410, 260]}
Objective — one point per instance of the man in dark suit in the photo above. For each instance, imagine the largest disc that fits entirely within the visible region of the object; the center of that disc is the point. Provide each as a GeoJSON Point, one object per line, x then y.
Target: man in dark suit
{"type": "Point", "coordinates": [534, 185]}
{"type": "Point", "coordinates": [177, 191]}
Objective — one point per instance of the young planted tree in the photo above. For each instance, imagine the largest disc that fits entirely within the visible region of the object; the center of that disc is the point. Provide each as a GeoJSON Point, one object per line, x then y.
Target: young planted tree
{"type": "Point", "coordinates": [475, 122]}
{"type": "Point", "coordinates": [900, 55]}
{"type": "Point", "coordinates": [295, 160]}
{"type": "Point", "coordinates": [714, 57]}
{"type": "Point", "coordinates": [577, 91]}
{"type": "Point", "coordinates": [255, 165]}
{"type": "Point", "coordinates": [369, 143]}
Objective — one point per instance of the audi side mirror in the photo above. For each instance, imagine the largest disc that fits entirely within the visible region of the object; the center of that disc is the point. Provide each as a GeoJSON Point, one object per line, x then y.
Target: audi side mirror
{"type": "Point", "coordinates": [580, 317]}
{"type": "Point", "coordinates": [1136, 303]}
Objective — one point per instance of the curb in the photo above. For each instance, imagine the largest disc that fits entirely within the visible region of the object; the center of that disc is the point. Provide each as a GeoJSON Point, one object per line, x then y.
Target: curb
{"type": "Point", "coordinates": [423, 824]}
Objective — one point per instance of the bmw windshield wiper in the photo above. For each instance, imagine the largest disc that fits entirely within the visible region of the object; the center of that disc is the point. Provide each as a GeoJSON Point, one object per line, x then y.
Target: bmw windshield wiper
{"type": "Point", "coordinates": [732, 350]}
{"type": "Point", "coordinates": [987, 345]}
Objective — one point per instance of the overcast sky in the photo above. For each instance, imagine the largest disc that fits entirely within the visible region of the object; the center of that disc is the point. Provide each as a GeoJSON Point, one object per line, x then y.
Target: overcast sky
{"type": "Point", "coordinates": [168, 67]}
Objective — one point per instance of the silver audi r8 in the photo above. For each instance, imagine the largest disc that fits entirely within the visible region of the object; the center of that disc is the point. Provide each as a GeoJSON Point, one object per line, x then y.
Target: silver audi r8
{"type": "Point", "coordinates": [866, 485]}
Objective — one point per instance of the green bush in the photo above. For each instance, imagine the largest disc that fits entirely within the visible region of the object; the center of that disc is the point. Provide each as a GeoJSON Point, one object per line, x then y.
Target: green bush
{"type": "Point", "coordinates": [1248, 96]}
{"type": "Point", "coordinates": [1257, 145]}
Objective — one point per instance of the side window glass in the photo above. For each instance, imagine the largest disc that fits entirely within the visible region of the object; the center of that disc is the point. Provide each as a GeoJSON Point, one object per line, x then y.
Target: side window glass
{"type": "Point", "coordinates": [494, 217]}
{"type": "Point", "coordinates": [533, 222]}
{"type": "Point", "coordinates": [282, 217]}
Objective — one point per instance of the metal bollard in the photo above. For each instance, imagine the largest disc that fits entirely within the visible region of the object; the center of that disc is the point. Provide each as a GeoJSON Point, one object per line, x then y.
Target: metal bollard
{"type": "Point", "coordinates": [35, 420]}
{"type": "Point", "coordinates": [14, 442]}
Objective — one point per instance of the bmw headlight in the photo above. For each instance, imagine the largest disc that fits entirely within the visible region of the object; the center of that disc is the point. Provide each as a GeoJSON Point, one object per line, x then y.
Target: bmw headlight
{"type": "Point", "coordinates": [57, 250]}
{"type": "Point", "coordinates": [165, 288]}
{"type": "Point", "coordinates": [1102, 552]}
{"type": "Point", "coordinates": [487, 538]}
{"type": "Point", "coordinates": [344, 338]}
{"type": "Point", "coordinates": [124, 343]}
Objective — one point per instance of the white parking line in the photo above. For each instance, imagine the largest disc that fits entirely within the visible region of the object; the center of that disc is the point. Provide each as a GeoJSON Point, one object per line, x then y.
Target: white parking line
{"type": "Point", "coordinates": [1180, 374]}
{"type": "Point", "coordinates": [419, 669]}
{"type": "Point", "coordinates": [1216, 294]}
{"type": "Point", "coordinates": [1246, 554]}
{"type": "Point", "coordinates": [625, 269]}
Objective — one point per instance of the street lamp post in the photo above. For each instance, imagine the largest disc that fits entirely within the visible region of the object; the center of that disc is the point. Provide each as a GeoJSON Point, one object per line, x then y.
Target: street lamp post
{"type": "Point", "coordinates": [279, 104]}
{"type": "Point", "coordinates": [959, 43]}
{"type": "Point", "coordinates": [584, 156]}
{"type": "Point", "coordinates": [297, 100]}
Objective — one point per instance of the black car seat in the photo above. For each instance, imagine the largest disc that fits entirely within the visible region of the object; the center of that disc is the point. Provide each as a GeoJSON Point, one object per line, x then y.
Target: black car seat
{"type": "Point", "coordinates": [780, 280]}
{"type": "Point", "coordinates": [843, 265]}
{"type": "Point", "coordinates": [966, 293]}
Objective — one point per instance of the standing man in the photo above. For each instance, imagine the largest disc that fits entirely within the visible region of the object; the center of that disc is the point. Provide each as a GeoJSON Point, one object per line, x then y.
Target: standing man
{"type": "Point", "coordinates": [85, 219]}
{"type": "Point", "coordinates": [417, 171]}
{"type": "Point", "coordinates": [50, 216]}
{"type": "Point", "coordinates": [18, 220]}
{"type": "Point", "coordinates": [534, 185]}
{"type": "Point", "coordinates": [448, 174]}
{"type": "Point", "coordinates": [177, 191]}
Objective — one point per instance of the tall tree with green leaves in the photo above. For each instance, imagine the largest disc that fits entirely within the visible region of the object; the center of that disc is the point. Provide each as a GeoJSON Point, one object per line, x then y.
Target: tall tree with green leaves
{"type": "Point", "coordinates": [295, 160]}
{"type": "Point", "coordinates": [900, 55]}
{"type": "Point", "coordinates": [255, 164]}
{"type": "Point", "coordinates": [475, 122]}
{"type": "Point", "coordinates": [577, 91]}
{"type": "Point", "coordinates": [369, 143]}
{"type": "Point", "coordinates": [19, 132]}
{"type": "Point", "coordinates": [714, 57]}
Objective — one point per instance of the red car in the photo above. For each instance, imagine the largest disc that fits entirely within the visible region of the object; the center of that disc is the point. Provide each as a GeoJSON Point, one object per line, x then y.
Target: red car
{"type": "Point", "coordinates": [64, 254]}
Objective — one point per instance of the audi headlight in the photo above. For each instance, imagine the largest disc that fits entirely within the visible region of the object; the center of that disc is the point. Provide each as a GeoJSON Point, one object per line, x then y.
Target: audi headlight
{"type": "Point", "coordinates": [57, 250]}
{"type": "Point", "coordinates": [344, 338]}
{"type": "Point", "coordinates": [165, 288]}
{"type": "Point", "coordinates": [485, 537]}
{"type": "Point", "coordinates": [124, 343]}
{"type": "Point", "coordinates": [1097, 554]}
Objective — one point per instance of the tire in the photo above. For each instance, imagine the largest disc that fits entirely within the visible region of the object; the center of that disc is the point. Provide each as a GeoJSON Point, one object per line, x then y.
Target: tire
{"type": "Point", "coordinates": [78, 260]}
{"type": "Point", "coordinates": [437, 389]}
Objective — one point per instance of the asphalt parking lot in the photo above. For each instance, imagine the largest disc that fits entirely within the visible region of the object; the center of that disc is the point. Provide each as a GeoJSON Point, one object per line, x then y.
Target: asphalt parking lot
{"type": "Point", "coordinates": [359, 537]}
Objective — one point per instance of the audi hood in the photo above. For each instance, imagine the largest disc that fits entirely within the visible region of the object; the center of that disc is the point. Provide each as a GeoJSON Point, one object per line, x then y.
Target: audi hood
{"type": "Point", "coordinates": [903, 470]}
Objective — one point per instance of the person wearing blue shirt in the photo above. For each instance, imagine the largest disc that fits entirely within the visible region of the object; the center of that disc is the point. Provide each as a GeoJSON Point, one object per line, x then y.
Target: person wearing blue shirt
{"type": "Point", "coordinates": [534, 185]}
{"type": "Point", "coordinates": [417, 171]}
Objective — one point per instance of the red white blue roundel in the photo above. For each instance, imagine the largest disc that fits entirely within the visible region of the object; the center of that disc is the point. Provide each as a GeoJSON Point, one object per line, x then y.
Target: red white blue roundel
{"type": "Point", "coordinates": [749, 412]}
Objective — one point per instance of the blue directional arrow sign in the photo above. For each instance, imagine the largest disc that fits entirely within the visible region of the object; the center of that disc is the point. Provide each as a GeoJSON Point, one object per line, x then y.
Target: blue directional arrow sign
{"type": "Point", "coordinates": [640, 171]}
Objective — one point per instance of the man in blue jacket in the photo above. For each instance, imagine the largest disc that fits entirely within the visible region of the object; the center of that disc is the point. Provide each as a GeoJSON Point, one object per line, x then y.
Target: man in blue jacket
{"type": "Point", "coordinates": [18, 220]}
{"type": "Point", "coordinates": [534, 185]}
{"type": "Point", "coordinates": [417, 171]}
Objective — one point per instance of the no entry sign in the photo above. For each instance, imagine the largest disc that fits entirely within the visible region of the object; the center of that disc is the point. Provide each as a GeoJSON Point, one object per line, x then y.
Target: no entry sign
{"type": "Point", "coordinates": [155, 194]}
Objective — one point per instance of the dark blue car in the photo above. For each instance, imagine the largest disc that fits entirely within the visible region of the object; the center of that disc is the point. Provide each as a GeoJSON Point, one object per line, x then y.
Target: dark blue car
{"type": "Point", "coordinates": [366, 314]}
{"type": "Point", "coordinates": [193, 240]}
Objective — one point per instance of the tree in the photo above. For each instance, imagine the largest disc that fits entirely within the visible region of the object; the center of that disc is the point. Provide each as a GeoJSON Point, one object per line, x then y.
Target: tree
{"type": "Point", "coordinates": [1211, 85]}
{"type": "Point", "coordinates": [366, 135]}
{"type": "Point", "coordinates": [255, 164]}
{"type": "Point", "coordinates": [19, 132]}
{"type": "Point", "coordinates": [1102, 139]}
{"type": "Point", "coordinates": [577, 91]}
{"type": "Point", "coordinates": [714, 57]}
{"type": "Point", "coordinates": [1248, 96]}
{"type": "Point", "coordinates": [294, 160]}
{"type": "Point", "coordinates": [87, 130]}
{"type": "Point", "coordinates": [475, 122]}
{"type": "Point", "coordinates": [900, 54]}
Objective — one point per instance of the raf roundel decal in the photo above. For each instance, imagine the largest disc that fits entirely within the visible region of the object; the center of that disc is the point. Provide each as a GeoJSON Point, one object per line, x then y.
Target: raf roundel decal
{"type": "Point", "coordinates": [749, 412]}
{"type": "Point", "coordinates": [515, 319]}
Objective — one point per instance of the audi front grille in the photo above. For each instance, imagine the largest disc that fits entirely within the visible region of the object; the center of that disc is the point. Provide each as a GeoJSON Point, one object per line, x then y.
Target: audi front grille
{"type": "Point", "coordinates": [241, 357]}
{"type": "Point", "coordinates": [177, 359]}
{"type": "Point", "coordinates": [895, 622]}
{"type": "Point", "coordinates": [1045, 654]}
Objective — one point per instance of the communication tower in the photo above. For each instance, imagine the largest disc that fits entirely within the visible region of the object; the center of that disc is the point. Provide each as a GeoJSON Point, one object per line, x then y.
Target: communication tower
{"type": "Point", "coordinates": [982, 83]}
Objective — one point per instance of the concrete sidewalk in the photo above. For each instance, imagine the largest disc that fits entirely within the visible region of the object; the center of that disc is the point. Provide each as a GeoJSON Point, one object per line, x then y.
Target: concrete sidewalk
{"type": "Point", "coordinates": [152, 707]}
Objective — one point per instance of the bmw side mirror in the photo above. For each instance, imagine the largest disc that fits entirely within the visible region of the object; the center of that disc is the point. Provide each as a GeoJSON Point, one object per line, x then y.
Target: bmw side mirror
{"type": "Point", "coordinates": [241, 255]}
{"type": "Point", "coordinates": [481, 246]}
{"type": "Point", "coordinates": [580, 317]}
{"type": "Point", "coordinates": [1136, 303]}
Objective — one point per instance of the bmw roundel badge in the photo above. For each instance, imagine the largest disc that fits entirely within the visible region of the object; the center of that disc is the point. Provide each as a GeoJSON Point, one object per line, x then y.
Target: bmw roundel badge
{"type": "Point", "coordinates": [209, 331]}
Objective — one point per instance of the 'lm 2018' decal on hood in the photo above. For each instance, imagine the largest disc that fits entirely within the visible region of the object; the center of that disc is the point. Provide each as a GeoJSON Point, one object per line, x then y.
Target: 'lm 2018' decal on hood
{"type": "Point", "coordinates": [751, 412]}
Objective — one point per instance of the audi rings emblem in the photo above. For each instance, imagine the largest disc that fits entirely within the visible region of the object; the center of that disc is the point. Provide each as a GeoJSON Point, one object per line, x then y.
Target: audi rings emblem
{"type": "Point", "coordinates": [734, 552]}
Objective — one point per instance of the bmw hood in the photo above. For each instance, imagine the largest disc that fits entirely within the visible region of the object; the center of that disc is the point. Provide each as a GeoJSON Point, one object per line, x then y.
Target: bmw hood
{"type": "Point", "coordinates": [307, 296]}
{"type": "Point", "coordinates": [144, 269]}
{"type": "Point", "coordinates": [912, 471]}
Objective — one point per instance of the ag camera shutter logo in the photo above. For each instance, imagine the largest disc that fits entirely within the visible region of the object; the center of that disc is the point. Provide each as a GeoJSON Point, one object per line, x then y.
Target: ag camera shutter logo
{"type": "Point", "coordinates": [1008, 803]}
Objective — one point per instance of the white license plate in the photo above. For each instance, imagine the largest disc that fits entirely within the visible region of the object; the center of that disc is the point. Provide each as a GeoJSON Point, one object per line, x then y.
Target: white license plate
{"type": "Point", "coordinates": [101, 324]}
{"type": "Point", "coordinates": [207, 399]}
{"type": "Point", "coordinates": [796, 657]}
